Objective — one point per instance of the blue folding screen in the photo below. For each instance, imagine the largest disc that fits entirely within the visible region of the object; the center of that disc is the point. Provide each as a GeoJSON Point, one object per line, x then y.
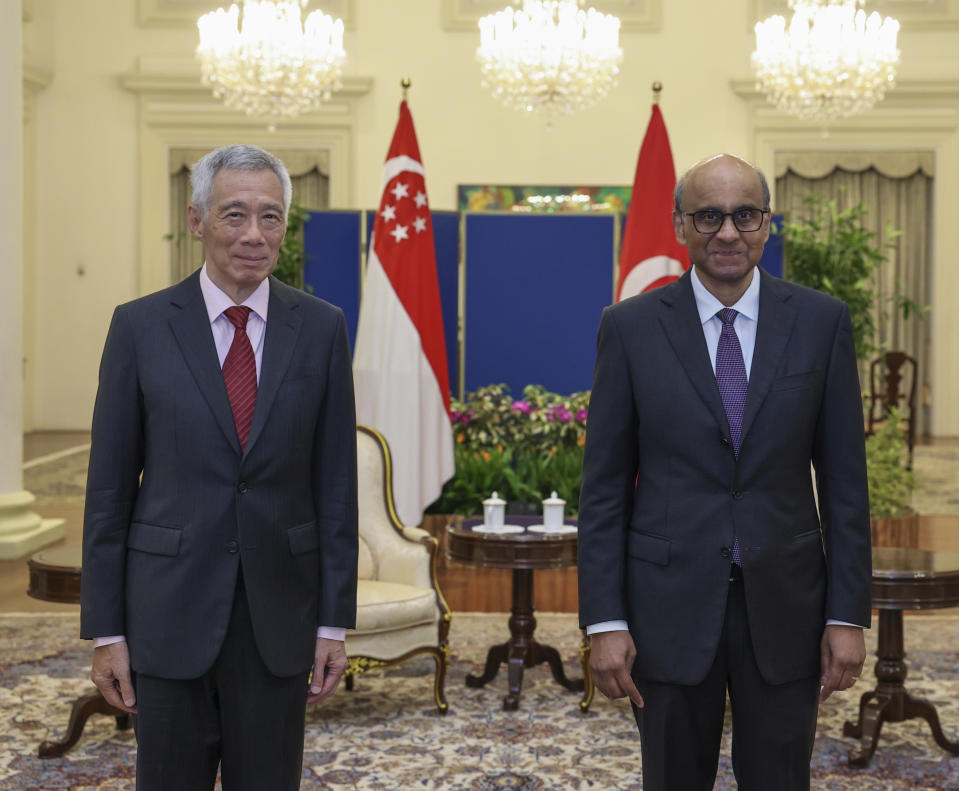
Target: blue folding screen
{"type": "Point", "coordinates": [535, 288]}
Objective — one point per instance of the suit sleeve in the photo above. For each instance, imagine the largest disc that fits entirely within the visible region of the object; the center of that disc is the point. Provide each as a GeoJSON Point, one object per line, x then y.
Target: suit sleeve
{"type": "Point", "coordinates": [839, 458]}
{"type": "Point", "coordinates": [116, 460]}
{"type": "Point", "coordinates": [609, 476]}
{"type": "Point", "coordinates": [334, 488]}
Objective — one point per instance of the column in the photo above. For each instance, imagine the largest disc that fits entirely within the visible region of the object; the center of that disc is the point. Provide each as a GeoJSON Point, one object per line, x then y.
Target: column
{"type": "Point", "coordinates": [21, 530]}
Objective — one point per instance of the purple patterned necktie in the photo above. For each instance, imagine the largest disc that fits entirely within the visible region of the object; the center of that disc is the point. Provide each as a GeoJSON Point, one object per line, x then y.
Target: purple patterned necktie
{"type": "Point", "coordinates": [732, 381]}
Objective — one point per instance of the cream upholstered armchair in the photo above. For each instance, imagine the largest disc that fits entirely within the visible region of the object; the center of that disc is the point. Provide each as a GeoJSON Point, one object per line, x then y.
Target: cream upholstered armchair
{"type": "Point", "coordinates": [400, 610]}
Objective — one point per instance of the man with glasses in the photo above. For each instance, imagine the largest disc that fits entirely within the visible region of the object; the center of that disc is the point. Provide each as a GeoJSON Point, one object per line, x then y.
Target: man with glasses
{"type": "Point", "coordinates": [705, 566]}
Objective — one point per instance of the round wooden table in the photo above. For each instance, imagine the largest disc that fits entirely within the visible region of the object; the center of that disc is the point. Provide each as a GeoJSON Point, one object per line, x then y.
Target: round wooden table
{"type": "Point", "coordinates": [523, 553]}
{"type": "Point", "coordinates": [902, 579]}
{"type": "Point", "coordinates": [55, 576]}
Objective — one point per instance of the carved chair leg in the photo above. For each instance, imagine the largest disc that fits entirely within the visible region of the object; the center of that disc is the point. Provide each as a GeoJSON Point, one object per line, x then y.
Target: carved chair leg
{"type": "Point", "coordinates": [439, 680]}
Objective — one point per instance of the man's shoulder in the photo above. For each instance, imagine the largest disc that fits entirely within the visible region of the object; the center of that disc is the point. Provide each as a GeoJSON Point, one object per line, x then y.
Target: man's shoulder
{"type": "Point", "coordinates": [803, 297]}
{"type": "Point", "coordinates": [177, 294]}
{"type": "Point", "coordinates": [310, 307]}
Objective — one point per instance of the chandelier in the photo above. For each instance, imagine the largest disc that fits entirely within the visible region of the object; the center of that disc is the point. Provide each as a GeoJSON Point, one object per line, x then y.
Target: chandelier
{"type": "Point", "coordinates": [275, 64]}
{"type": "Point", "coordinates": [832, 61]}
{"type": "Point", "coordinates": [551, 57]}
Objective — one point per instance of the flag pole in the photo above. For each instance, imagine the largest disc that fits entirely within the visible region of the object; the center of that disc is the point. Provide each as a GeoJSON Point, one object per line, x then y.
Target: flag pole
{"type": "Point", "coordinates": [405, 84]}
{"type": "Point", "coordinates": [657, 89]}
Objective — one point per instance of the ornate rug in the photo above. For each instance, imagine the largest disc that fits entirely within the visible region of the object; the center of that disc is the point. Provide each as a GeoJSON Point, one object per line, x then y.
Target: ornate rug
{"type": "Point", "coordinates": [387, 736]}
{"type": "Point", "coordinates": [62, 481]}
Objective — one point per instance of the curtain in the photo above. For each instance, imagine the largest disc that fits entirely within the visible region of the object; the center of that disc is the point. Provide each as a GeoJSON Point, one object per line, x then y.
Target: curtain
{"type": "Point", "coordinates": [897, 189]}
{"type": "Point", "coordinates": [309, 172]}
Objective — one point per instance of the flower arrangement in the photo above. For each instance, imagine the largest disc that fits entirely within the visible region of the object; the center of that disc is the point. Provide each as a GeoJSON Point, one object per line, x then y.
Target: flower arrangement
{"type": "Point", "coordinates": [523, 448]}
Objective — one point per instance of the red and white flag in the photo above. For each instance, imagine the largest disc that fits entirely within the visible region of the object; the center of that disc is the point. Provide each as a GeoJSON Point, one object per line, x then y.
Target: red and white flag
{"type": "Point", "coordinates": [650, 255]}
{"type": "Point", "coordinates": [399, 364]}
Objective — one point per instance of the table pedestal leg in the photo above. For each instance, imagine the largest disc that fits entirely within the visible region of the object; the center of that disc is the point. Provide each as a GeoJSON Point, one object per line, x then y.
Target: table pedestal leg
{"type": "Point", "coordinates": [83, 707]}
{"type": "Point", "coordinates": [889, 701]}
{"type": "Point", "coordinates": [521, 650]}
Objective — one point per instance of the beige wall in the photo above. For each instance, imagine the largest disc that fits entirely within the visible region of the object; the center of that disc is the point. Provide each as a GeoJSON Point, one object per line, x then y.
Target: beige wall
{"type": "Point", "coordinates": [121, 93]}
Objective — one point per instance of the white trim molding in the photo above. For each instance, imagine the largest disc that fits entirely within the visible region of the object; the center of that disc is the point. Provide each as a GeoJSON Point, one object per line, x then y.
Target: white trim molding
{"type": "Point", "coordinates": [175, 110]}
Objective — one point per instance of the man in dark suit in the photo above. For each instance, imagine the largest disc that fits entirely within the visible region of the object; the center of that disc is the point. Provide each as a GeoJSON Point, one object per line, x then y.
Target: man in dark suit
{"type": "Point", "coordinates": [220, 533]}
{"type": "Point", "coordinates": [704, 564]}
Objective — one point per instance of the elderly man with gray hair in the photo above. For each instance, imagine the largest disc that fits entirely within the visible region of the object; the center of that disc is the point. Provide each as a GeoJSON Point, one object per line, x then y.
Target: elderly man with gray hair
{"type": "Point", "coordinates": [220, 532]}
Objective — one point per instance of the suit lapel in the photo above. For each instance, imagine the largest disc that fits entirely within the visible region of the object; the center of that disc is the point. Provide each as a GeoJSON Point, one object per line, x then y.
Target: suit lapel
{"type": "Point", "coordinates": [680, 320]}
{"type": "Point", "coordinates": [776, 319]}
{"type": "Point", "coordinates": [282, 328]}
{"type": "Point", "coordinates": [191, 328]}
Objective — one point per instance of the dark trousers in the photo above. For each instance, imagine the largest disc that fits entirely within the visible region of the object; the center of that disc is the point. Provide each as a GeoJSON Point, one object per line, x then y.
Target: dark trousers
{"type": "Point", "coordinates": [774, 726]}
{"type": "Point", "coordinates": [238, 716]}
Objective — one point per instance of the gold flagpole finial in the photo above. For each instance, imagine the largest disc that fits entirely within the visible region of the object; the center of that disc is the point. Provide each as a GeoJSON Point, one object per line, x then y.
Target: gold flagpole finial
{"type": "Point", "coordinates": [405, 83]}
{"type": "Point", "coordinates": [657, 89]}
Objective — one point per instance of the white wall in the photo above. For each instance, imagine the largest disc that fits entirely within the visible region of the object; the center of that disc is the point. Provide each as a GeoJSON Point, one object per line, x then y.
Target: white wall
{"type": "Point", "coordinates": [90, 134]}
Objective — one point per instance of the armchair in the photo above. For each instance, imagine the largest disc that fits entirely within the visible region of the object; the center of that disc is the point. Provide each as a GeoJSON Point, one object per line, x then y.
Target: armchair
{"type": "Point", "coordinates": [401, 612]}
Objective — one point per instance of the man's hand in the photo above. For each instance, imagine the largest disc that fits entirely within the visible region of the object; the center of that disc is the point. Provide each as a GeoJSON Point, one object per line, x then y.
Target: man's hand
{"type": "Point", "coordinates": [111, 674]}
{"type": "Point", "coordinates": [329, 664]}
{"type": "Point", "coordinates": [843, 653]}
{"type": "Point", "coordinates": [611, 656]}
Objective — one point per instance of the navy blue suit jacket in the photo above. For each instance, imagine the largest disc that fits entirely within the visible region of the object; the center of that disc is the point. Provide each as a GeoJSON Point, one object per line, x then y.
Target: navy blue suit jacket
{"type": "Point", "coordinates": [174, 507]}
{"type": "Point", "coordinates": [663, 493]}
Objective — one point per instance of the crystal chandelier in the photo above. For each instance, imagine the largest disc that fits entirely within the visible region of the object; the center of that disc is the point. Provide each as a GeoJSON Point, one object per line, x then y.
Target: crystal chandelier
{"type": "Point", "coordinates": [832, 61]}
{"type": "Point", "coordinates": [552, 57]}
{"type": "Point", "coordinates": [274, 65]}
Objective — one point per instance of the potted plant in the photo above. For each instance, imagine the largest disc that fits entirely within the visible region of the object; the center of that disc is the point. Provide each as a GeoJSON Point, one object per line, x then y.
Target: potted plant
{"type": "Point", "coordinates": [523, 448]}
{"type": "Point", "coordinates": [292, 257]}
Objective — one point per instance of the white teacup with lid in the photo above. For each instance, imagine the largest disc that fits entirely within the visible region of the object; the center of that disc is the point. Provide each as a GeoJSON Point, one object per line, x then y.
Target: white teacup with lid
{"type": "Point", "coordinates": [554, 512]}
{"type": "Point", "coordinates": [494, 513]}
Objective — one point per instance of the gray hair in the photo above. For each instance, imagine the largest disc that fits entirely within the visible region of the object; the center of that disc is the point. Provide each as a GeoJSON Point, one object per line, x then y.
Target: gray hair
{"type": "Point", "coordinates": [681, 185]}
{"type": "Point", "coordinates": [235, 157]}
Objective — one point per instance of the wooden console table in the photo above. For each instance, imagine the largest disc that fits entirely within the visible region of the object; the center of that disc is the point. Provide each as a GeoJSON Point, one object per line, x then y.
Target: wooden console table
{"type": "Point", "coordinates": [55, 576]}
{"type": "Point", "coordinates": [523, 553]}
{"type": "Point", "coordinates": [902, 579]}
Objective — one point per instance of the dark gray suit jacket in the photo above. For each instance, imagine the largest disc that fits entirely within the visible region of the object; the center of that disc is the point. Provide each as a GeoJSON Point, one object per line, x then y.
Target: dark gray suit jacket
{"type": "Point", "coordinates": [161, 552]}
{"type": "Point", "coordinates": [654, 550]}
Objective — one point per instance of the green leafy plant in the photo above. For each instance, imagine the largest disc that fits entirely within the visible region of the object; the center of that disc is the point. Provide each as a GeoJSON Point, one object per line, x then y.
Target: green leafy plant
{"type": "Point", "coordinates": [890, 481]}
{"type": "Point", "coordinates": [523, 448]}
{"type": "Point", "coordinates": [292, 256]}
{"type": "Point", "coordinates": [830, 251]}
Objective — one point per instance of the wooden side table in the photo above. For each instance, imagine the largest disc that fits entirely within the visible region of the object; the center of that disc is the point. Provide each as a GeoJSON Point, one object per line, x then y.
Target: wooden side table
{"type": "Point", "coordinates": [902, 579]}
{"type": "Point", "coordinates": [55, 576]}
{"type": "Point", "coordinates": [523, 553]}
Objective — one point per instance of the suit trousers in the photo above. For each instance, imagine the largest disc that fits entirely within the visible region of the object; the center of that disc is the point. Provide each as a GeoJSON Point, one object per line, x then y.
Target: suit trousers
{"type": "Point", "coordinates": [773, 725]}
{"type": "Point", "coordinates": [237, 716]}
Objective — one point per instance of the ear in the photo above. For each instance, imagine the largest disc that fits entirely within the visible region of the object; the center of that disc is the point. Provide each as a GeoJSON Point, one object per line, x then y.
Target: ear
{"type": "Point", "coordinates": [195, 221]}
{"type": "Point", "coordinates": [679, 226]}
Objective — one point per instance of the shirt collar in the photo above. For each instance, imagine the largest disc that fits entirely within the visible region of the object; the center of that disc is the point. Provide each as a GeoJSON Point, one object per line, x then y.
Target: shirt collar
{"type": "Point", "coordinates": [217, 301]}
{"type": "Point", "coordinates": [708, 306]}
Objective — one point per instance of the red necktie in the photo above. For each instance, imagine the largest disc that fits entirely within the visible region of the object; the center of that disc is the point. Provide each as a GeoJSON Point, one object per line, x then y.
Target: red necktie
{"type": "Point", "coordinates": [239, 373]}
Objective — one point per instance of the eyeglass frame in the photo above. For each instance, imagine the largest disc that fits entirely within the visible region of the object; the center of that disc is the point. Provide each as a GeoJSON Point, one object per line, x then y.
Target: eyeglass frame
{"type": "Point", "coordinates": [731, 215]}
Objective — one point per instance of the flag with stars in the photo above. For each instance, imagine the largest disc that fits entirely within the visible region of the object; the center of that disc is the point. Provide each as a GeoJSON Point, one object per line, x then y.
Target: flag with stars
{"type": "Point", "coordinates": [399, 364]}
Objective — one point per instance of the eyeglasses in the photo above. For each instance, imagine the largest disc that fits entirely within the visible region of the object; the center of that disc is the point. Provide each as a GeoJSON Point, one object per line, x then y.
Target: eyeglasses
{"type": "Point", "coordinates": [708, 221]}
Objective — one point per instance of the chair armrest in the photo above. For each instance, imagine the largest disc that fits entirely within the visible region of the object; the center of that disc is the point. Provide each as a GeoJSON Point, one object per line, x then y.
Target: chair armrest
{"type": "Point", "coordinates": [414, 533]}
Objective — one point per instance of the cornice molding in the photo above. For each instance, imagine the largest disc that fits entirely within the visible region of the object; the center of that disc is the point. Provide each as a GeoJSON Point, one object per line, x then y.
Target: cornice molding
{"type": "Point", "coordinates": [913, 15]}
{"type": "Point", "coordinates": [189, 85]}
{"type": "Point", "coordinates": [921, 104]}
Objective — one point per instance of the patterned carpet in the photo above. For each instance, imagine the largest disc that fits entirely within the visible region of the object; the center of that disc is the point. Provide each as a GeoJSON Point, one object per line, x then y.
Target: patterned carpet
{"type": "Point", "coordinates": [386, 735]}
{"type": "Point", "coordinates": [62, 482]}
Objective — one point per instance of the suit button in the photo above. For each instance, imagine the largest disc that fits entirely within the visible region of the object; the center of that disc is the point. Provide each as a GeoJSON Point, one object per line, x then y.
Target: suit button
{"type": "Point", "coordinates": [737, 495]}
{"type": "Point", "coordinates": [232, 547]}
{"type": "Point", "coordinates": [725, 552]}
{"type": "Point", "coordinates": [242, 488]}
{"type": "Point", "coordinates": [724, 441]}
